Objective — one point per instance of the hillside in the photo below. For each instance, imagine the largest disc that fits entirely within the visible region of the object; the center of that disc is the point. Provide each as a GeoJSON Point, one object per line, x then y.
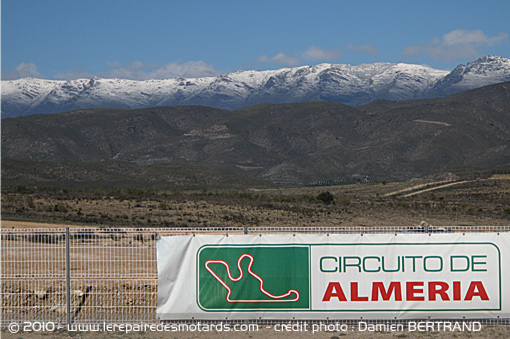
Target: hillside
{"type": "Point", "coordinates": [295, 144]}
{"type": "Point", "coordinates": [352, 85]}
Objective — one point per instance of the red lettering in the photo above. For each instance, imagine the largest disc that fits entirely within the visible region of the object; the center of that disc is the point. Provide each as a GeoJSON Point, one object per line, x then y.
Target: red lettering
{"type": "Point", "coordinates": [412, 288]}
{"type": "Point", "coordinates": [334, 290]}
{"type": "Point", "coordinates": [476, 289]}
{"type": "Point", "coordinates": [438, 287]}
{"type": "Point", "coordinates": [378, 287]}
{"type": "Point", "coordinates": [415, 291]}
{"type": "Point", "coordinates": [456, 291]}
{"type": "Point", "coordinates": [355, 294]}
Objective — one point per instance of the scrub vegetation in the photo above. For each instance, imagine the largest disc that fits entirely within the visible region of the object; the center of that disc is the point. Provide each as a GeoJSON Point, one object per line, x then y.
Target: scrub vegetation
{"type": "Point", "coordinates": [475, 202]}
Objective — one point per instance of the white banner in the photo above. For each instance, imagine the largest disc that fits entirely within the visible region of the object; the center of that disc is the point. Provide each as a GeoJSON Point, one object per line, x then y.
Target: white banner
{"type": "Point", "coordinates": [340, 276]}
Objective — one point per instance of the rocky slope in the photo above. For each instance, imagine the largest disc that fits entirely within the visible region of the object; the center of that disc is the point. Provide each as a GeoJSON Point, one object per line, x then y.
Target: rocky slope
{"type": "Point", "coordinates": [298, 143]}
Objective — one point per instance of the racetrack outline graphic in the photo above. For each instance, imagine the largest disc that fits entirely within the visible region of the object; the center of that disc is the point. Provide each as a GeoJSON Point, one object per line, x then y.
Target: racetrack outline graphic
{"type": "Point", "coordinates": [274, 298]}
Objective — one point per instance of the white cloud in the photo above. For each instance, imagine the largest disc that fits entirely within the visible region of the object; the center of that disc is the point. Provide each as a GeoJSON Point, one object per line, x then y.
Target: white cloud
{"type": "Point", "coordinates": [73, 74]}
{"type": "Point", "coordinates": [190, 69]}
{"type": "Point", "coordinates": [113, 64]}
{"type": "Point", "coordinates": [456, 44]}
{"type": "Point", "coordinates": [313, 53]}
{"type": "Point", "coordinates": [23, 70]}
{"type": "Point", "coordinates": [318, 54]}
{"type": "Point", "coordinates": [133, 71]}
{"type": "Point", "coordinates": [369, 49]}
{"type": "Point", "coordinates": [281, 59]}
{"type": "Point", "coordinates": [138, 70]}
{"type": "Point", "coordinates": [460, 36]}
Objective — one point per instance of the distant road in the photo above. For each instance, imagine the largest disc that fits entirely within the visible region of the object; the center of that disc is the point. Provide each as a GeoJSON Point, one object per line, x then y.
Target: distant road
{"type": "Point", "coordinates": [435, 188]}
{"type": "Point", "coordinates": [422, 188]}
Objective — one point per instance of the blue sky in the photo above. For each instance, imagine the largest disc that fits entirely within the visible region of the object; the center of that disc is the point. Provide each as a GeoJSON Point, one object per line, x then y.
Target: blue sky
{"type": "Point", "coordinates": [144, 39]}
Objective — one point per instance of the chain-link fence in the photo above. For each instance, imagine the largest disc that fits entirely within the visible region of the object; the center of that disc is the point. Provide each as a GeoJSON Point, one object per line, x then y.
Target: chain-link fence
{"type": "Point", "coordinates": [96, 275]}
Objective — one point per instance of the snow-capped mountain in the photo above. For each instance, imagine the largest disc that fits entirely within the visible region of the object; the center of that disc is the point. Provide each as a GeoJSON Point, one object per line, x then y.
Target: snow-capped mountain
{"type": "Point", "coordinates": [482, 72]}
{"type": "Point", "coordinates": [351, 85]}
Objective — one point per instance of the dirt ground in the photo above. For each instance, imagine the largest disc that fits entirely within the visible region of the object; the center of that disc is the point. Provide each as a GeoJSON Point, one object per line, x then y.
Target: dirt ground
{"type": "Point", "coordinates": [479, 202]}
{"type": "Point", "coordinates": [470, 203]}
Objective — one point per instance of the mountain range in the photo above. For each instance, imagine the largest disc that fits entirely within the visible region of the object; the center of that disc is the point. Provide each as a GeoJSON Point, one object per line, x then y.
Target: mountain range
{"type": "Point", "coordinates": [294, 143]}
{"type": "Point", "coordinates": [350, 85]}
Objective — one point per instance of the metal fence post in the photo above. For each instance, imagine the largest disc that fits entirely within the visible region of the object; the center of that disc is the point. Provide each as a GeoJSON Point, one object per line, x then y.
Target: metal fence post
{"type": "Point", "coordinates": [68, 277]}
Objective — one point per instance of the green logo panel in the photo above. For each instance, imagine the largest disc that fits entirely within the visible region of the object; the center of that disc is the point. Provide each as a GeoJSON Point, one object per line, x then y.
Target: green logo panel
{"type": "Point", "coordinates": [253, 278]}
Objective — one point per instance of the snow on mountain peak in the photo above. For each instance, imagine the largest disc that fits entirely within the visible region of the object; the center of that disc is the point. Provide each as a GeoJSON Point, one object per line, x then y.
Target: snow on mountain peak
{"type": "Point", "coordinates": [484, 71]}
{"type": "Point", "coordinates": [348, 84]}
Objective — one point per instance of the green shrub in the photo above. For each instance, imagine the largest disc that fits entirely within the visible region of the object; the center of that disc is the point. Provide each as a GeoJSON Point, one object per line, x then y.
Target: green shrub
{"type": "Point", "coordinates": [326, 197]}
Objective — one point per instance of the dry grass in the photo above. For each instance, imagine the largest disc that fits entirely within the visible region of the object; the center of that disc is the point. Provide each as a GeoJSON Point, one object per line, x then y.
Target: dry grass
{"type": "Point", "coordinates": [482, 202]}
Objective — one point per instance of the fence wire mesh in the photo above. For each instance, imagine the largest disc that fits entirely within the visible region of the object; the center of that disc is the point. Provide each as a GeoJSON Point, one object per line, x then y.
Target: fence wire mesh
{"type": "Point", "coordinates": [112, 274]}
